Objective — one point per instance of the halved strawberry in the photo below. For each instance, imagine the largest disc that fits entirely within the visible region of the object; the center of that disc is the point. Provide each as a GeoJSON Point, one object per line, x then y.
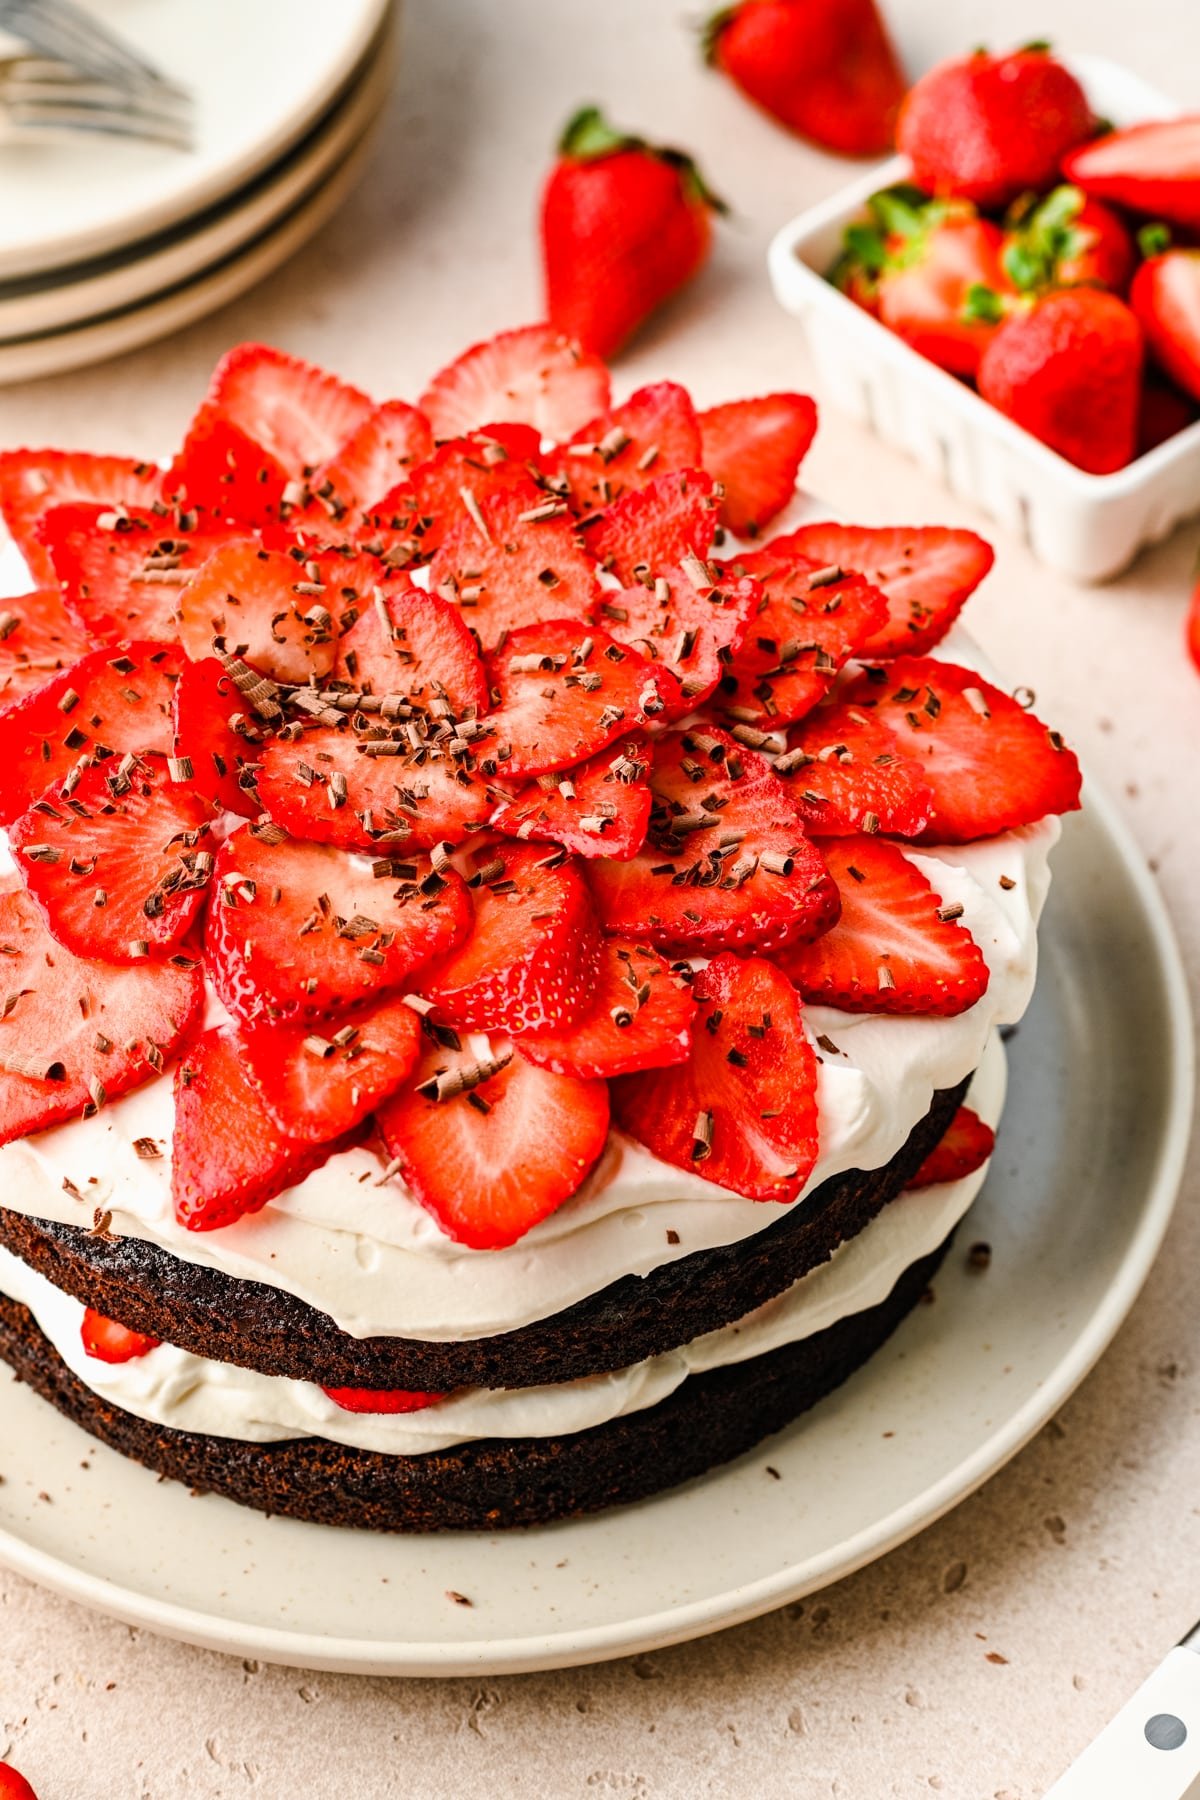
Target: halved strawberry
{"type": "Point", "coordinates": [298, 930]}
{"type": "Point", "coordinates": [691, 619]}
{"type": "Point", "coordinates": [926, 572]}
{"type": "Point", "coordinates": [227, 1157]}
{"type": "Point", "coordinates": [265, 606]}
{"type": "Point", "coordinates": [640, 1018]}
{"type": "Point", "coordinates": [413, 519]}
{"type": "Point", "coordinates": [397, 640]}
{"type": "Point", "coordinates": [754, 448]}
{"type": "Point", "coordinates": [599, 808]}
{"type": "Point", "coordinates": [120, 865]}
{"type": "Point", "coordinates": [318, 1083]}
{"type": "Point", "coordinates": [364, 785]}
{"type": "Point", "coordinates": [992, 765]}
{"type": "Point", "coordinates": [895, 948]}
{"type": "Point", "coordinates": [653, 529]}
{"type": "Point", "coordinates": [74, 1033]}
{"type": "Point", "coordinates": [653, 431]}
{"type": "Point", "coordinates": [742, 1111]}
{"type": "Point", "coordinates": [218, 734]}
{"type": "Point", "coordinates": [845, 773]}
{"type": "Point", "coordinates": [299, 413]}
{"type": "Point", "coordinates": [37, 639]}
{"type": "Point", "coordinates": [122, 573]}
{"type": "Point", "coordinates": [534, 375]}
{"type": "Point", "coordinates": [513, 561]}
{"type": "Point", "coordinates": [965, 1147]}
{"type": "Point", "coordinates": [490, 1154]}
{"type": "Point", "coordinates": [531, 959]}
{"type": "Point", "coordinates": [726, 862]}
{"type": "Point", "coordinates": [391, 441]}
{"type": "Point", "coordinates": [563, 691]}
{"type": "Point", "coordinates": [32, 481]}
{"type": "Point", "coordinates": [225, 471]}
{"type": "Point", "coordinates": [112, 702]}
{"type": "Point", "coordinates": [381, 1400]}
{"type": "Point", "coordinates": [810, 622]}
{"type": "Point", "coordinates": [109, 1342]}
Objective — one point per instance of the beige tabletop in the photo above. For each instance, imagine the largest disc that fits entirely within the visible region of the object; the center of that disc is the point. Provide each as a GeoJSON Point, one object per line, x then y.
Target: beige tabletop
{"type": "Point", "coordinates": [978, 1659]}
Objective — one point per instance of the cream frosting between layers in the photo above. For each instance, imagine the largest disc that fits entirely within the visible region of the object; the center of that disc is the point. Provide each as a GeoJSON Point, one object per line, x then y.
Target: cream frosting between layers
{"type": "Point", "coordinates": [174, 1388]}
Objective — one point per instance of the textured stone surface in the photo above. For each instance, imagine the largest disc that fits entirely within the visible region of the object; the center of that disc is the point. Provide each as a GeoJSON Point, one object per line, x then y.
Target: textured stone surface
{"type": "Point", "coordinates": [1072, 1564]}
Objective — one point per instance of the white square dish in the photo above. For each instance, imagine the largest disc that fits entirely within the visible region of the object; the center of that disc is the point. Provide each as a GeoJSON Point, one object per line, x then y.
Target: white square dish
{"type": "Point", "coordinates": [1089, 526]}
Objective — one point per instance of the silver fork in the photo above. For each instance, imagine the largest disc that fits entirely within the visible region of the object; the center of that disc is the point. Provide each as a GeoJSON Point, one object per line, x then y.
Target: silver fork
{"type": "Point", "coordinates": [66, 33]}
{"type": "Point", "coordinates": [42, 99]}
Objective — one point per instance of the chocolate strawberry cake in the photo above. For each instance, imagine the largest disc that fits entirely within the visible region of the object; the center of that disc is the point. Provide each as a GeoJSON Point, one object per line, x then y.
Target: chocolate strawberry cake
{"type": "Point", "coordinates": [502, 975]}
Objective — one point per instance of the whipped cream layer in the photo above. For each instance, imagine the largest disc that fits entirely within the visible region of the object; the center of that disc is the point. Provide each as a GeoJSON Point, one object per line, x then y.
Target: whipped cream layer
{"type": "Point", "coordinates": [372, 1258]}
{"type": "Point", "coordinates": [171, 1387]}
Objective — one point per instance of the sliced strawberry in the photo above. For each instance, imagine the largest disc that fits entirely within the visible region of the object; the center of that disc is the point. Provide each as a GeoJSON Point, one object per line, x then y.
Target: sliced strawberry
{"type": "Point", "coordinates": [298, 930]}
{"type": "Point", "coordinates": [534, 375]}
{"type": "Point", "coordinates": [397, 640]}
{"type": "Point", "coordinates": [655, 430]}
{"type": "Point", "coordinates": [37, 639]}
{"type": "Point", "coordinates": [413, 519]}
{"type": "Point", "coordinates": [895, 948]}
{"type": "Point", "coordinates": [388, 445]}
{"type": "Point", "coordinates": [364, 785]}
{"type": "Point", "coordinates": [563, 691]}
{"type": "Point", "coordinates": [112, 1343]}
{"type": "Point", "coordinates": [965, 1147]}
{"type": "Point", "coordinates": [218, 735]}
{"type": "Point", "coordinates": [496, 1152]}
{"type": "Point", "coordinates": [73, 1032]}
{"type": "Point", "coordinates": [991, 764]}
{"type": "Point", "coordinates": [655, 528]}
{"type": "Point", "coordinates": [599, 808]}
{"type": "Point", "coordinates": [120, 867]}
{"type": "Point", "coordinates": [926, 572]}
{"type": "Point", "coordinates": [227, 1157]}
{"type": "Point", "coordinates": [726, 862]}
{"type": "Point", "coordinates": [754, 449]}
{"type": "Point", "coordinates": [381, 1400]}
{"type": "Point", "coordinates": [122, 573]}
{"type": "Point", "coordinates": [530, 962]}
{"type": "Point", "coordinates": [810, 622]}
{"type": "Point", "coordinates": [692, 620]}
{"type": "Point", "coordinates": [640, 1018]}
{"type": "Point", "coordinates": [32, 481]}
{"type": "Point", "coordinates": [742, 1111]}
{"type": "Point", "coordinates": [845, 772]}
{"type": "Point", "coordinates": [265, 606]}
{"type": "Point", "coordinates": [517, 563]}
{"type": "Point", "coordinates": [297, 412]}
{"type": "Point", "coordinates": [318, 1084]}
{"type": "Point", "coordinates": [112, 702]}
{"type": "Point", "coordinates": [226, 472]}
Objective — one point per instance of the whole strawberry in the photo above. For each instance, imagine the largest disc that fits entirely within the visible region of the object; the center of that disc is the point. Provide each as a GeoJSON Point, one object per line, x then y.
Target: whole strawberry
{"type": "Point", "coordinates": [624, 225]}
{"type": "Point", "coordinates": [1165, 297]}
{"type": "Point", "coordinates": [989, 127]}
{"type": "Point", "coordinates": [1069, 368]}
{"type": "Point", "coordinates": [1066, 239]}
{"type": "Point", "coordinates": [823, 68]}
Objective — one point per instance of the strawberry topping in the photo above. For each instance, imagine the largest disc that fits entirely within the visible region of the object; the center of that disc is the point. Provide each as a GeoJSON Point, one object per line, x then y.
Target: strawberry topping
{"type": "Point", "coordinates": [109, 1342]}
{"type": "Point", "coordinates": [412, 520]}
{"type": "Point", "coordinates": [32, 481]}
{"type": "Point", "coordinates": [512, 560]}
{"type": "Point", "coordinates": [318, 1084]}
{"type": "Point", "coordinates": [810, 622]}
{"type": "Point", "coordinates": [598, 808]}
{"type": "Point", "coordinates": [122, 573]}
{"type": "Point", "coordinates": [79, 1032]}
{"type": "Point", "coordinates": [37, 639]}
{"type": "Point", "coordinates": [535, 376]}
{"type": "Point", "coordinates": [640, 1018]}
{"type": "Point", "coordinates": [754, 449]}
{"type": "Point", "coordinates": [218, 735]}
{"type": "Point", "coordinates": [652, 530]}
{"type": "Point", "coordinates": [895, 948]}
{"type": "Point", "coordinates": [298, 413]}
{"type": "Point", "coordinates": [264, 606]}
{"type": "Point", "coordinates": [965, 1147]}
{"type": "Point", "coordinates": [845, 773]}
{"type": "Point", "coordinates": [381, 1400]}
{"type": "Point", "coordinates": [397, 640]}
{"type": "Point", "coordinates": [692, 619]}
{"type": "Point", "coordinates": [742, 1110]}
{"type": "Point", "coordinates": [391, 441]}
{"type": "Point", "coordinates": [226, 472]}
{"type": "Point", "coordinates": [489, 1144]}
{"type": "Point", "coordinates": [655, 430]}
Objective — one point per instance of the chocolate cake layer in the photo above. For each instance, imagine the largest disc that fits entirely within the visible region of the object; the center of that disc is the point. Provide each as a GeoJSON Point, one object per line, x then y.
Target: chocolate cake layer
{"type": "Point", "coordinates": [487, 1485]}
{"type": "Point", "coordinates": [259, 1327]}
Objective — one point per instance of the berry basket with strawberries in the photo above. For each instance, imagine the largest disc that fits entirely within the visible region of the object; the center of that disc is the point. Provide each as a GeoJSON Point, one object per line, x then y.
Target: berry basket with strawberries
{"type": "Point", "coordinates": [1012, 300]}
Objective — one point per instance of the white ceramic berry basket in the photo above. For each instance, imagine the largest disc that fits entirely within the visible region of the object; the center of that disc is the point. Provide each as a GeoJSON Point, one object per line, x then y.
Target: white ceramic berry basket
{"type": "Point", "coordinates": [1089, 526]}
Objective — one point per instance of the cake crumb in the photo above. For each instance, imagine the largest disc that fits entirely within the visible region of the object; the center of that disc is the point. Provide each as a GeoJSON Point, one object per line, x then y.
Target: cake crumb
{"type": "Point", "coordinates": [774, 1473]}
{"type": "Point", "coordinates": [672, 1237]}
{"type": "Point", "coordinates": [979, 1256]}
{"type": "Point", "coordinates": [458, 1599]}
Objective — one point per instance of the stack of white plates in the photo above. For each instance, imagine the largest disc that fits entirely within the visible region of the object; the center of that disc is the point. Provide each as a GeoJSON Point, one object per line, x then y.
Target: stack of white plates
{"type": "Point", "coordinates": [107, 243]}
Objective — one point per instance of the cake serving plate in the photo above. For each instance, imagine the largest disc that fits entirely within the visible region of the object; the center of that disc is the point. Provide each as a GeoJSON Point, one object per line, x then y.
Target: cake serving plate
{"type": "Point", "coordinates": [1079, 1195]}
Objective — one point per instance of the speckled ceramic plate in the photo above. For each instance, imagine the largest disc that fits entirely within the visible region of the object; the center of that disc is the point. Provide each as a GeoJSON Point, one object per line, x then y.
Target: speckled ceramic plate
{"type": "Point", "coordinates": [1079, 1195]}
